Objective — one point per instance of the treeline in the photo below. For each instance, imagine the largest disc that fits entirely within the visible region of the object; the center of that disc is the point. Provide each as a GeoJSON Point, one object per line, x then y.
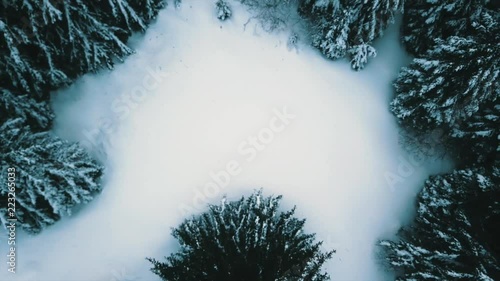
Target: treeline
{"type": "Point", "coordinates": [45, 45]}
{"type": "Point", "coordinates": [338, 28]}
{"type": "Point", "coordinates": [452, 87]}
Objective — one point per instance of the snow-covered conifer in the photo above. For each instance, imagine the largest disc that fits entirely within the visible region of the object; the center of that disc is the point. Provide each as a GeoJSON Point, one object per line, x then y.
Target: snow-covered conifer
{"type": "Point", "coordinates": [424, 21]}
{"type": "Point", "coordinates": [346, 27]}
{"type": "Point", "coordinates": [46, 44]}
{"type": "Point", "coordinates": [479, 137]}
{"type": "Point", "coordinates": [331, 35]}
{"type": "Point", "coordinates": [249, 239]}
{"type": "Point", "coordinates": [455, 80]}
{"type": "Point", "coordinates": [371, 18]}
{"type": "Point", "coordinates": [360, 54]}
{"type": "Point", "coordinates": [455, 234]}
{"type": "Point", "coordinates": [37, 115]}
{"type": "Point", "coordinates": [452, 88]}
{"type": "Point", "coordinates": [52, 175]}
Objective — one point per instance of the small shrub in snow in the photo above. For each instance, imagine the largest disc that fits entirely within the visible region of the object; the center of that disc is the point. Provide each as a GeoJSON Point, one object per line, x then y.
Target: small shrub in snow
{"type": "Point", "coordinates": [244, 240]}
{"type": "Point", "coordinates": [293, 41]}
{"type": "Point", "coordinates": [273, 14]}
{"type": "Point", "coordinates": [223, 10]}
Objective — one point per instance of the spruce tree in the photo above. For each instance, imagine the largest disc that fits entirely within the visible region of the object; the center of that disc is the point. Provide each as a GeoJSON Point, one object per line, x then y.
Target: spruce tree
{"type": "Point", "coordinates": [479, 137]}
{"type": "Point", "coordinates": [330, 34]}
{"type": "Point", "coordinates": [360, 55]}
{"type": "Point", "coordinates": [245, 240]}
{"type": "Point", "coordinates": [37, 114]}
{"type": "Point", "coordinates": [371, 18]}
{"type": "Point", "coordinates": [454, 85]}
{"type": "Point", "coordinates": [346, 27]}
{"type": "Point", "coordinates": [424, 21]}
{"type": "Point", "coordinates": [455, 234]}
{"type": "Point", "coordinates": [52, 175]}
{"type": "Point", "coordinates": [46, 44]}
{"type": "Point", "coordinates": [452, 88]}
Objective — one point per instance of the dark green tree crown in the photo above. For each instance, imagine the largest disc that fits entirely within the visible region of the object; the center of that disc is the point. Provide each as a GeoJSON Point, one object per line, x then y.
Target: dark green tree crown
{"type": "Point", "coordinates": [243, 240]}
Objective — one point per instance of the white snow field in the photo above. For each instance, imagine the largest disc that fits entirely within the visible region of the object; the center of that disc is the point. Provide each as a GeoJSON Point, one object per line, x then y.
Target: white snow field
{"type": "Point", "coordinates": [203, 99]}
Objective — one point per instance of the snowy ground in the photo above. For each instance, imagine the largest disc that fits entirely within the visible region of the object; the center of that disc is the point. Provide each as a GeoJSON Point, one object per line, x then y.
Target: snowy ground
{"type": "Point", "coordinates": [186, 105]}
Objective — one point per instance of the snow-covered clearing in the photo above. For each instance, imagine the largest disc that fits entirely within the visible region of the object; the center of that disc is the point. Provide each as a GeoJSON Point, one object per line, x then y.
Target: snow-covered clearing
{"type": "Point", "coordinates": [214, 86]}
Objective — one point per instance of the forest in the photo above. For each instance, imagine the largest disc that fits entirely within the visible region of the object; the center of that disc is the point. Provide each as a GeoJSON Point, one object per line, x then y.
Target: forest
{"type": "Point", "coordinates": [447, 94]}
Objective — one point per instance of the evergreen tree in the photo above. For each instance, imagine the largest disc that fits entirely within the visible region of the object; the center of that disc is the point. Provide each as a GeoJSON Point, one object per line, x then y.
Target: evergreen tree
{"type": "Point", "coordinates": [330, 34]}
{"type": "Point", "coordinates": [52, 175]}
{"type": "Point", "coordinates": [479, 137]}
{"type": "Point", "coordinates": [456, 80]}
{"type": "Point", "coordinates": [452, 87]}
{"type": "Point", "coordinates": [424, 21]}
{"type": "Point", "coordinates": [371, 18]}
{"type": "Point", "coordinates": [455, 234]}
{"type": "Point", "coordinates": [45, 44]}
{"type": "Point", "coordinates": [243, 240]}
{"type": "Point", "coordinates": [37, 115]}
{"type": "Point", "coordinates": [349, 27]}
{"type": "Point", "coordinates": [360, 54]}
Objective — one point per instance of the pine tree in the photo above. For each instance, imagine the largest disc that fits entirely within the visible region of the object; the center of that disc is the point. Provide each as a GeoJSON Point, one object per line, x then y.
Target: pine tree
{"type": "Point", "coordinates": [479, 137]}
{"type": "Point", "coordinates": [52, 175]}
{"type": "Point", "coordinates": [243, 240]}
{"type": "Point", "coordinates": [307, 6]}
{"type": "Point", "coordinates": [360, 54]}
{"type": "Point", "coordinates": [445, 89]}
{"type": "Point", "coordinates": [452, 88]}
{"type": "Point", "coordinates": [331, 34]}
{"type": "Point", "coordinates": [424, 21]}
{"type": "Point", "coordinates": [45, 44]}
{"type": "Point", "coordinates": [371, 18]}
{"type": "Point", "coordinates": [455, 234]}
{"type": "Point", "coordinates": [346, 27]}
{"type": "Point", "coordinates": [37, 115]}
